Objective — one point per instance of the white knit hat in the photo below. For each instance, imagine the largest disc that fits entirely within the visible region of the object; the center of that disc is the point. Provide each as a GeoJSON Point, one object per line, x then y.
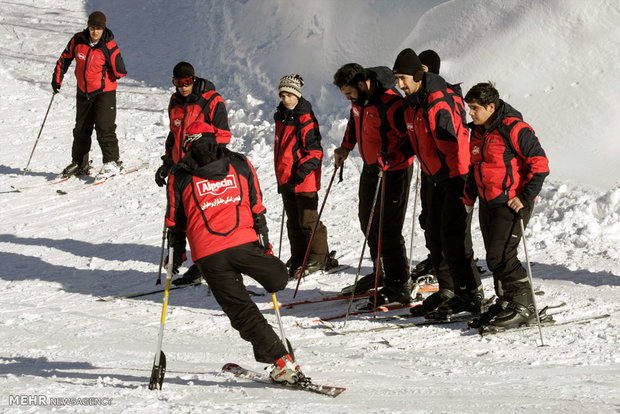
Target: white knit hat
{"type": "Point", "coordinates": [291, 84]}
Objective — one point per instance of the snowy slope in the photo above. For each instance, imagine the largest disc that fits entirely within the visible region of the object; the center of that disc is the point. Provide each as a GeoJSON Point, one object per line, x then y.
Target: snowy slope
{"type": "Point", "coordinates": [59, 253]}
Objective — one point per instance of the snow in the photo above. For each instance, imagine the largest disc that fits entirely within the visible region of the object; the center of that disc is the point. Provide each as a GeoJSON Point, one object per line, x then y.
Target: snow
{"type": "Point", "coordinates": [555, 61]}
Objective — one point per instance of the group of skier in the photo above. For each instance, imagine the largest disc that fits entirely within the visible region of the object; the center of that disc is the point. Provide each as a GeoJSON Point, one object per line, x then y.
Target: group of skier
{"type": "Point", "coordinates": [215, 201]}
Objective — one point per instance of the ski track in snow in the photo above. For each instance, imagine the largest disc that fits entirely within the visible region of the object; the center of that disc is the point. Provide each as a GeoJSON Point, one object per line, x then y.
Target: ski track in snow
{"type": "Point", "coordinates": [59, 253]}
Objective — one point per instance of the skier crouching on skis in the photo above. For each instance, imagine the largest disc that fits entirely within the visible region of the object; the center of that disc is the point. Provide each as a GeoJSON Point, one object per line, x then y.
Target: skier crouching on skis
{"type": "Point", "coordinates": [216, 202]}
{"type": "Point", "coordinates": [508, 167]}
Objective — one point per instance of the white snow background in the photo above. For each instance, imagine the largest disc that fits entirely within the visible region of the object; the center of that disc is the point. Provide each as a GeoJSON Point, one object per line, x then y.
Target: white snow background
{"type": "Point", "coordinates": [556, 61]}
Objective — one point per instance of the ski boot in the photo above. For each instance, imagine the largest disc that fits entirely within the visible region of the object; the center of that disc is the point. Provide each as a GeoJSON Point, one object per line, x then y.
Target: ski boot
{"type": "Point", "coordinates": [472, 302]}
{"type": "Point", "coordinates": [190, 277]}
{"type": "Point", "coordinates": [432, 302]}
{"type": "Point", "coordinates": [285, 370]}
{"type": "Point", "coordinates": [364, 284]}
{"type": "Point", "coordinates": [519, 311]}
{"type": "Point", "coordinates": [75, 170]}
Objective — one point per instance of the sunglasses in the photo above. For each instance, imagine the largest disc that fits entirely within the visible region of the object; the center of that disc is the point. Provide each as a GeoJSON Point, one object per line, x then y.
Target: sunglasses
{"type": "Point", "coordinates": [178, 82]}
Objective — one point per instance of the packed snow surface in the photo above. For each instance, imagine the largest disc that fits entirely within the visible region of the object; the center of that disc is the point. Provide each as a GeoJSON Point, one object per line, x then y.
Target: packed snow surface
{"type": "Point", "coordinates": [555, 61]}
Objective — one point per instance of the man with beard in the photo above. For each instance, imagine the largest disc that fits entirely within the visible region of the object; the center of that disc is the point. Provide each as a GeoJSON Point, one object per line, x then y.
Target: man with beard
{"type": "Point", "coordinates": [376, 126]}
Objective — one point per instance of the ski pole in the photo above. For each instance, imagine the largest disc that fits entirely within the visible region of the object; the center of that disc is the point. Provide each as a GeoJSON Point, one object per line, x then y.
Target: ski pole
{"type": "Point", "coordinates": [529, 275]}
{"type": "Point", "coordinates": [161, 254]}
{"type": "Point", "coordinates": [281, 231]}
{"type": "Point", "coordinates": [40, 130]}
{"type": "Point", "coordinates": [359, 265]}
{"type": "Point", "coordinates": [380, 241]}
{"type": "Point", "coordinates": [413, 220]}
{"type": "Point", "coordinates": [159, 365]}
{"type": "Point", "coordinates": [316, 225]}
{"type": "Point", "coordinates": [277, 311]}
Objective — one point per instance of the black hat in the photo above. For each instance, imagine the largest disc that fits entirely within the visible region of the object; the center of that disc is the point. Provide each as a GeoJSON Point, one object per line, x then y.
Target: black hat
{"type": "Point", "coordinates": [431, 60]}
{"type": "Point", "coordinates": [96, 19]}
{"type": "Point", "coordinates": [407, 63]}
{"type": "Point", "coordinates": [183, 70]}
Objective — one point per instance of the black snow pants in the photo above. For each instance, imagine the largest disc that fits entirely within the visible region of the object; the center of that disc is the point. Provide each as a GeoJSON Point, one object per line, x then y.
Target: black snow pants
{"type": "Point", "coordinates": [222, 271]}
{"type": "Point", "coordinates": [98, 112]}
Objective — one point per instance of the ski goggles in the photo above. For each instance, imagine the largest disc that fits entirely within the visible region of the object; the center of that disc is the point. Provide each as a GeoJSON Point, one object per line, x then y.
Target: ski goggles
{"type": "Point", "coordinates": [178, 82]}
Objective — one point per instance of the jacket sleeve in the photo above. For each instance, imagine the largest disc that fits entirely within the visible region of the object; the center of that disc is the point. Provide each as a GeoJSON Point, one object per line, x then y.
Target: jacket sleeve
{"type": "Point", "coordinates": [442, 119]}
{"type": "Point", "coordinates": [176, 219]}
{"type": "Point", "coordinates": [219, 119]}
{"type": "Point", "coordinates": [535, 162]}
{"type": "Point", "coordinates": [312, 151]}
{"type": "Point", "coordinates": [350, 136]}
{"type": "Point", "coordinates": [64, 61]}
{"type": "Point", "coordinates": [256, 196]}
{"type": "Point", "coordinates": [117, 68]}
{"type": "Point", "coordinates": [168, 145]}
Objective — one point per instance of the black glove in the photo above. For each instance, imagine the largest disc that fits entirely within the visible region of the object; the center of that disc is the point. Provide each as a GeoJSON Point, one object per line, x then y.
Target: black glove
{"type": "Point", "coordinates": [262, 231]}
{"type": "Point", "coordinates": [161, 174]}
{"type": "Point", "coordinates": [176, 240]}
{"type": "Point", "coordinates": [177, 261]}
{"type": "Point", "coordinates": [55, 86]}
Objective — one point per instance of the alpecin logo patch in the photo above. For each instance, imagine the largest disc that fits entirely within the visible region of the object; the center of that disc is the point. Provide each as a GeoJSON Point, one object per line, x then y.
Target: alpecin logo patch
{"type": "Point", "coordinates": [216, 187]}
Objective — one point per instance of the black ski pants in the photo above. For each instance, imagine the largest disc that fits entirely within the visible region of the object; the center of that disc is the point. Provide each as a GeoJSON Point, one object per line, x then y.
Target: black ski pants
{"type": "Point", "coordinates": [393, 252]}
{"type": "Point", "coordinates": [98, 112]}
{"type": "Point", "coordinates": [502, 234]}
{"type": "Point", "coordinates": [302, 215]}
{"type": "Point", "coordinates": [426, 186]}
{"type": "Point", "coordinates": [222, 271]}
{"type": "Point", "coordinates": [445, 234]}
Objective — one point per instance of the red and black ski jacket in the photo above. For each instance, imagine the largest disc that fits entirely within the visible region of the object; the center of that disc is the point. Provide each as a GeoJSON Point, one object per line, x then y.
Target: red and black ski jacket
{"type": "Point", "coordinates": [214, 205]}
{"type": "Point", "coordinates": [507, 160]}
{"type": "Point", "coordinates": [378, 126]}
{"type": "Point", "coordinates": [437, 128]}
{"type": "Point", "coordinates": [96, 67]}
{"type": "Point", "coordinates": [203, 104]}
{"type": "Point", "coordinates": [297, 149]}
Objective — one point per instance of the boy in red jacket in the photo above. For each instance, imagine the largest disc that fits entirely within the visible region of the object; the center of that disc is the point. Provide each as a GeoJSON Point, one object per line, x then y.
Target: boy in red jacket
{"type": "Point", "coordinates": [508, 167]}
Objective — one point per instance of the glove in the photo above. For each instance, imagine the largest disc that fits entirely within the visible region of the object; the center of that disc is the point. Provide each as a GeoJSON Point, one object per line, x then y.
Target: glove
{"type": "Point", "coordinates": [55, 86]}
{"type": "Point", "coordinates": [262, 231]}
{"type": "Point", "coordinates": [161, 174]}
{"type": "Point", "coordinates": [177, 262]}
{"type": "Point", "coordinates": [385, 160]}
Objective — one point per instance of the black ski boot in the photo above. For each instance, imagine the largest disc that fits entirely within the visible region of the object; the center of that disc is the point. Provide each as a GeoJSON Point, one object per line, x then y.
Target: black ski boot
{"type": "Point", "coordinates": [487, 316]}
{"type": "Point", "coordinates": [519, 311]}
{"type": "Point", "coordinates": [75, 170]}
{"type": "Point", "coordinates": [432, 302]}
{"type": "Point", "coordinates": [331, 262]}
{"type": "Point", "coordinates": [364, 284]}
{"type": "Point", "coordinates": [425, 267]}
{"type": "Point", "coordinates": [192, 276]}
{"type": "Point", "coordinates": [392, 294]}
{"type": "Point", "coordinates": [472, 302]}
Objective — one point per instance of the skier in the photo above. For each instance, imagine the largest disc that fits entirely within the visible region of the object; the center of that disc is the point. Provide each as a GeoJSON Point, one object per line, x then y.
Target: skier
{"type": "Point", "coordinates": [214, 200]}
{"type": "Point", "coordinates": [438, 136]}
{"type": "Point", "coordinates": [98, 64]}
{"type": "Point", "coordinates": [431, 62]}
{"type": "Point", "coordinates": [508, 167]}
{"type": "Point", "coordinates": [297, 156]}
{"type": "Point", "coordinates": [380, 110]}
{"type": "Point", "coordinates": [194, 99]}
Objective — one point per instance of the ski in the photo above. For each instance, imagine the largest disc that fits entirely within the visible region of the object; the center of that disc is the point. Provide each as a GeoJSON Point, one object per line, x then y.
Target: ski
{"type": "Point", "coordinates": [459, 318]}
{"type": "Point", "coordinates": [308, 385]}
{"type": "Point", "coordinates": [99, 181]}
{"type": "Point", "coordinates": [455, 319]}
{"type": "Point", "coordinates": [384, 308]}
{"type": "Point", "coordinates": [549, 321]}
{"type": "Point", "coordinates": [325, 299]}
{"type": "Point", "coordinates": [139, 294]}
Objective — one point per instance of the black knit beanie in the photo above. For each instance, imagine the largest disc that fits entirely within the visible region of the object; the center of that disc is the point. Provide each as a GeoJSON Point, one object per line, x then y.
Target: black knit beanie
{"type": "Point", "coordinates": [183, 70]}
{"type": "Point", "coordinates": [407, 63]}
{"type": "Point", "coordinates": [431, 60]}
{"type": "Point", "coordinates": [96, 19]}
